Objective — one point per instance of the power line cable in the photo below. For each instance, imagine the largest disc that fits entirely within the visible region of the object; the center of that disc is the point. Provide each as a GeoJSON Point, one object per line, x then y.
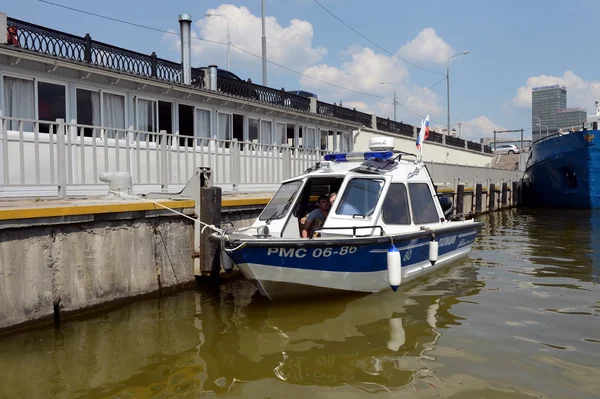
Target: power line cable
{"type": "Point", "coordinates": [232, 45]}
{"type": "Point", "coordinates": [372, 42]}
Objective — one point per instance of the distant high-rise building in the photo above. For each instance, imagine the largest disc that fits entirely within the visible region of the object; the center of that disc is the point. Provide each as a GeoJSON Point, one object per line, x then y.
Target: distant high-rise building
{"type": "Point", "coordinates": [545, 103]}
{"type": "Point", "coordinates": [571, 118]}
{"type": "Point", "coordinates": [550, 113]}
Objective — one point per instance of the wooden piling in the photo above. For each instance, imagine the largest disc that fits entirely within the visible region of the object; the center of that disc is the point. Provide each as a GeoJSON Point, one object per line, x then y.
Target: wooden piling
{"type": "Point", "coordinates": [515, 198]}
{"type": "Point", "coordinates": [460, 200]}
{"type": "Point", "coordinates": [504, 193]}
{"type": "Point", "coordinates": [478, 198]}
{"type": "Point", "coordinates": [492, 197]}
{"type": "Point", "coordinates": [210, 213]}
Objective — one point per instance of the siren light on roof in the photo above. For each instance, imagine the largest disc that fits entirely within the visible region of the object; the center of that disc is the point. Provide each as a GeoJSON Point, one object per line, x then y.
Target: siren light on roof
{"type": "Point", "coordinates": [359, 156]}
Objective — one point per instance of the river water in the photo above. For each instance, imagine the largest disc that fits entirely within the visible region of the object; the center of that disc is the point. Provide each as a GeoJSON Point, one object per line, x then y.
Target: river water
{"type": "Point", "coordinates": [519, 318]}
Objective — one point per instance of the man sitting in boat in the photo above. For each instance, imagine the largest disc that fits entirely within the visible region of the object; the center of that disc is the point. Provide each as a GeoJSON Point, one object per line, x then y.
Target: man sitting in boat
{"type": "Point", "coordinates": [317, 217]}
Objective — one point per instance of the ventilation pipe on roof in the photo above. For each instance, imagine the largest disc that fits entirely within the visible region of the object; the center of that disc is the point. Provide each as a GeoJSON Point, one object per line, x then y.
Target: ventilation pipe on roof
{"type": "Point", "coordinates": [212, 71]}
{"type": "Point", "coordinates": [185, 22]}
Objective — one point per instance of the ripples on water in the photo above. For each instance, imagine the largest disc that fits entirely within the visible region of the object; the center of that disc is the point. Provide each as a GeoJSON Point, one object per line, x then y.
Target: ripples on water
{"type": "Point", "coordinates": [518, 319]}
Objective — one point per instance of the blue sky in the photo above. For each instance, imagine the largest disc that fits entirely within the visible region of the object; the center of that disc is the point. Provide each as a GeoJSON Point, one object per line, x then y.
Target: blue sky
{"type": "Point", "coordinates": [513, 46]}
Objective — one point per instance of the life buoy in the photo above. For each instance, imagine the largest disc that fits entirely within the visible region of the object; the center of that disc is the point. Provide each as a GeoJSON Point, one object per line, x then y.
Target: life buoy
{"type": "Point", "coordinates": [12, 38]}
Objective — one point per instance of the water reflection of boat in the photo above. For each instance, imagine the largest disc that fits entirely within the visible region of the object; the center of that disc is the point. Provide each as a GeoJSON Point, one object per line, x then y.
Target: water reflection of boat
{"type": "Point", "coordinates": [192, 343]}
{"type": "Point", "coordinates": [375, 342]}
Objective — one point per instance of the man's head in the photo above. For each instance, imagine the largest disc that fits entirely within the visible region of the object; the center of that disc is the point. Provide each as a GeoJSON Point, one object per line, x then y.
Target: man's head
{"type": "Point", "coordinates": [332, 198]}
{"type": "Point", "coordinates": [323, 202]}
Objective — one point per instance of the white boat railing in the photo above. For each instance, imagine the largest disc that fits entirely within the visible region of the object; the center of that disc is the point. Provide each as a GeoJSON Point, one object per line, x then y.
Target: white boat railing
{"type": "Point", "coordinates": [58, 158]}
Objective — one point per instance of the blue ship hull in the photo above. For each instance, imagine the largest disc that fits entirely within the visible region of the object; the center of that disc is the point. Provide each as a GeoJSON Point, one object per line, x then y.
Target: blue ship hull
{"type": "Point", "coordinates": [563, 171]}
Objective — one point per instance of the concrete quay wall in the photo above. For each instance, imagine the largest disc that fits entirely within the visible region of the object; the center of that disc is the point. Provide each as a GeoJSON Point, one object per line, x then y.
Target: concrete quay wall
{"type": "Point", "coordinates": [53, 266]}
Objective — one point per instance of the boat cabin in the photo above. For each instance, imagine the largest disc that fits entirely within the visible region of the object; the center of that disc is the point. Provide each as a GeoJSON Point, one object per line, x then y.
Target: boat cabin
{"type": "Point", "coordinates": [377, 191]}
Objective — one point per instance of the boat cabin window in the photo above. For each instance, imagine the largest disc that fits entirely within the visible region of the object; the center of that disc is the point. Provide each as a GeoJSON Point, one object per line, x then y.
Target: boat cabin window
{"type": "Point", "coordinates": [360, 197]}
{"type": "Point", "coordinates": [282, 201]}
{"type": "Point", "coordinates": [421, 201]}
{"type": "Point", "coordinates": [395, 205]}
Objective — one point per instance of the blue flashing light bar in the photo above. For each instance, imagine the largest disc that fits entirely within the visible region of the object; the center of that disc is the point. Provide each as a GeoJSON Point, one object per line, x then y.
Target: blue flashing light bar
{"type": "Point", "coordinates": [359, 156]}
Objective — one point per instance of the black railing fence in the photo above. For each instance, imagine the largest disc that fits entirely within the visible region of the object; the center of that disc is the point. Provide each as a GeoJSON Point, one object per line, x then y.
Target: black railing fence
{"type": "Point", "coordinates": [83, 49]}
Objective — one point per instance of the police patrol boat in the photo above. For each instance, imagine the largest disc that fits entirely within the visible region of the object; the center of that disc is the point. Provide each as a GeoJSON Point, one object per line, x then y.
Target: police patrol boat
{"type": "Point", "coordinates": [385, 226]}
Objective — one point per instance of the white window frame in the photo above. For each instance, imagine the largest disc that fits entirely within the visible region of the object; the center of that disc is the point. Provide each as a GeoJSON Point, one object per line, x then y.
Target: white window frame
{"type": "Point", "coordinates": [280, 141]}
{"type": "Point", "coordinates": [350, 144]}
{"type": "Point", "coordinates": [217, 131]}
{"type": "Point", "coordinates": [211, 124]}
{"type": "Point", "coordinates": [247, 128]}
{"type": "Point", "coordinates": [15, 75]}
{"type": "Point", "coordinates": [315, 137]}
{"type": "Point", "coordinates": [270, 139]}
{"type": "Point", "coordinates": [102, 92]}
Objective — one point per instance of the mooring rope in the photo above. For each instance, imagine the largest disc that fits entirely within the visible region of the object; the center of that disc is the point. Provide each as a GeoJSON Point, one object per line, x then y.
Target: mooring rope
{"type": "Point", "coordinates": [205, 225]}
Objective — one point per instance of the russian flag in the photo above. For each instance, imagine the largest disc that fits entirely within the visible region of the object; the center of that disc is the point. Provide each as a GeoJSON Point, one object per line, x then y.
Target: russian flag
{"type": "Point", "coordinates": [424, 133]}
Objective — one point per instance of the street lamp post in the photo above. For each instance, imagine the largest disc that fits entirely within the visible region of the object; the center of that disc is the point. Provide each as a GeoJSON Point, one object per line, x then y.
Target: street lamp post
{"type": "Point", "coordinates": [448, 83]}
{"type": "Point", "coordinates": [546, 129]}
{"type": "Point", "coordinates": [208, 15]}
{"type": "Point", "coordinates": [264, 46]}
{"type": "Point", "coordinates": [395, 101]}
{"type": "Point", "coordinates": [539, 124]}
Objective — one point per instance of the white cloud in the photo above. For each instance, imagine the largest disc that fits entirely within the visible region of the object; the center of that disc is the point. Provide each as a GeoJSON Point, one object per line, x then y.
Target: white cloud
{"type": "Point", "coordinates": [365, 69]}
{"type": "Point", "coordinates": [427, 47]}
{"type": "Point", "coordinates": [290, 45]}
{"type": "Point", "coordinates": [364, 72]}
{"type": "Point", "coordinates": [580, 93]}
{"type": "Point", "coordinates": [480, 127]}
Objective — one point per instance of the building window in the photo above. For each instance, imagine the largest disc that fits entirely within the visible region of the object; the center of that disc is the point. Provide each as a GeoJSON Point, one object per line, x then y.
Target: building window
{"type": "Point", "coordinates": [88, 107]}
{"type": "Point", "coordinates": [346, 142]}
{"type": "Point", "coordinates": [266, 132]}
{"type": "Point", "coordinates": [19, 102]}
{"type": "Point", "coordinates": [421, 201]}
{"type": "Point", "coordinates": [395, 206]}
{"type": "Point", "coordinates": [147, 119]}
{"type": "Point", "coordinates": [52, 103]}
{"type": "Point", "coordinates": [202, 126]}
{"type": "Point", "coordinates": [225, 128]}
{"type": "Point", "coordinates": [146, 115]}
{"type": "Point", "coordinates": [281, 134]}
{"type": "Point", "coordinates": [253, 130]}
{"type": "Point", "coordinates": [324, 139]}
{"type": "Point", "coordinates": [113, 111]}
{"type": "Point", "coordinates": [310, 139]}
{"type": "Point", "coordinates": [95, 108]}
{"type": "Point", "coordinates": [186, 124]}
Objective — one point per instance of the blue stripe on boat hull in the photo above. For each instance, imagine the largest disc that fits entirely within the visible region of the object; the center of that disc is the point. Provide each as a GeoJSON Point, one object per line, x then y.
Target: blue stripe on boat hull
{"type": "Point", "coordinates": [351, 258]}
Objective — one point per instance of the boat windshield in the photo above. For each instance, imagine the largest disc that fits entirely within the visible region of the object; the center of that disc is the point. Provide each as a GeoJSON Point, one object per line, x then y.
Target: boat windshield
{"type": "Point", "coordinates": [282, 201]}
{"type": "Point", "coordinates": [360, 197]}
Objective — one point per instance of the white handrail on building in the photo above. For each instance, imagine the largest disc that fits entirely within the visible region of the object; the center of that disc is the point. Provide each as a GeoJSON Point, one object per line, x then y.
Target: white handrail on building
{"type": "Point", "coordinates": [56, 158]}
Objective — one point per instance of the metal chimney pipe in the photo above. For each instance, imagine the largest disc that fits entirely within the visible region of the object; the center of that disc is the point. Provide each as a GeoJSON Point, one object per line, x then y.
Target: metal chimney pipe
{"type": "Point", "coordinates": [185, 22]}
{"type": "Point", "coordinates": [213, 77]}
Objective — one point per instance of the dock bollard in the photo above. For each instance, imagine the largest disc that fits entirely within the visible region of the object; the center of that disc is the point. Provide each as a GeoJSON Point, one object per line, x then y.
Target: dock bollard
{"type": "Point", "coordinates": [492, 197]}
